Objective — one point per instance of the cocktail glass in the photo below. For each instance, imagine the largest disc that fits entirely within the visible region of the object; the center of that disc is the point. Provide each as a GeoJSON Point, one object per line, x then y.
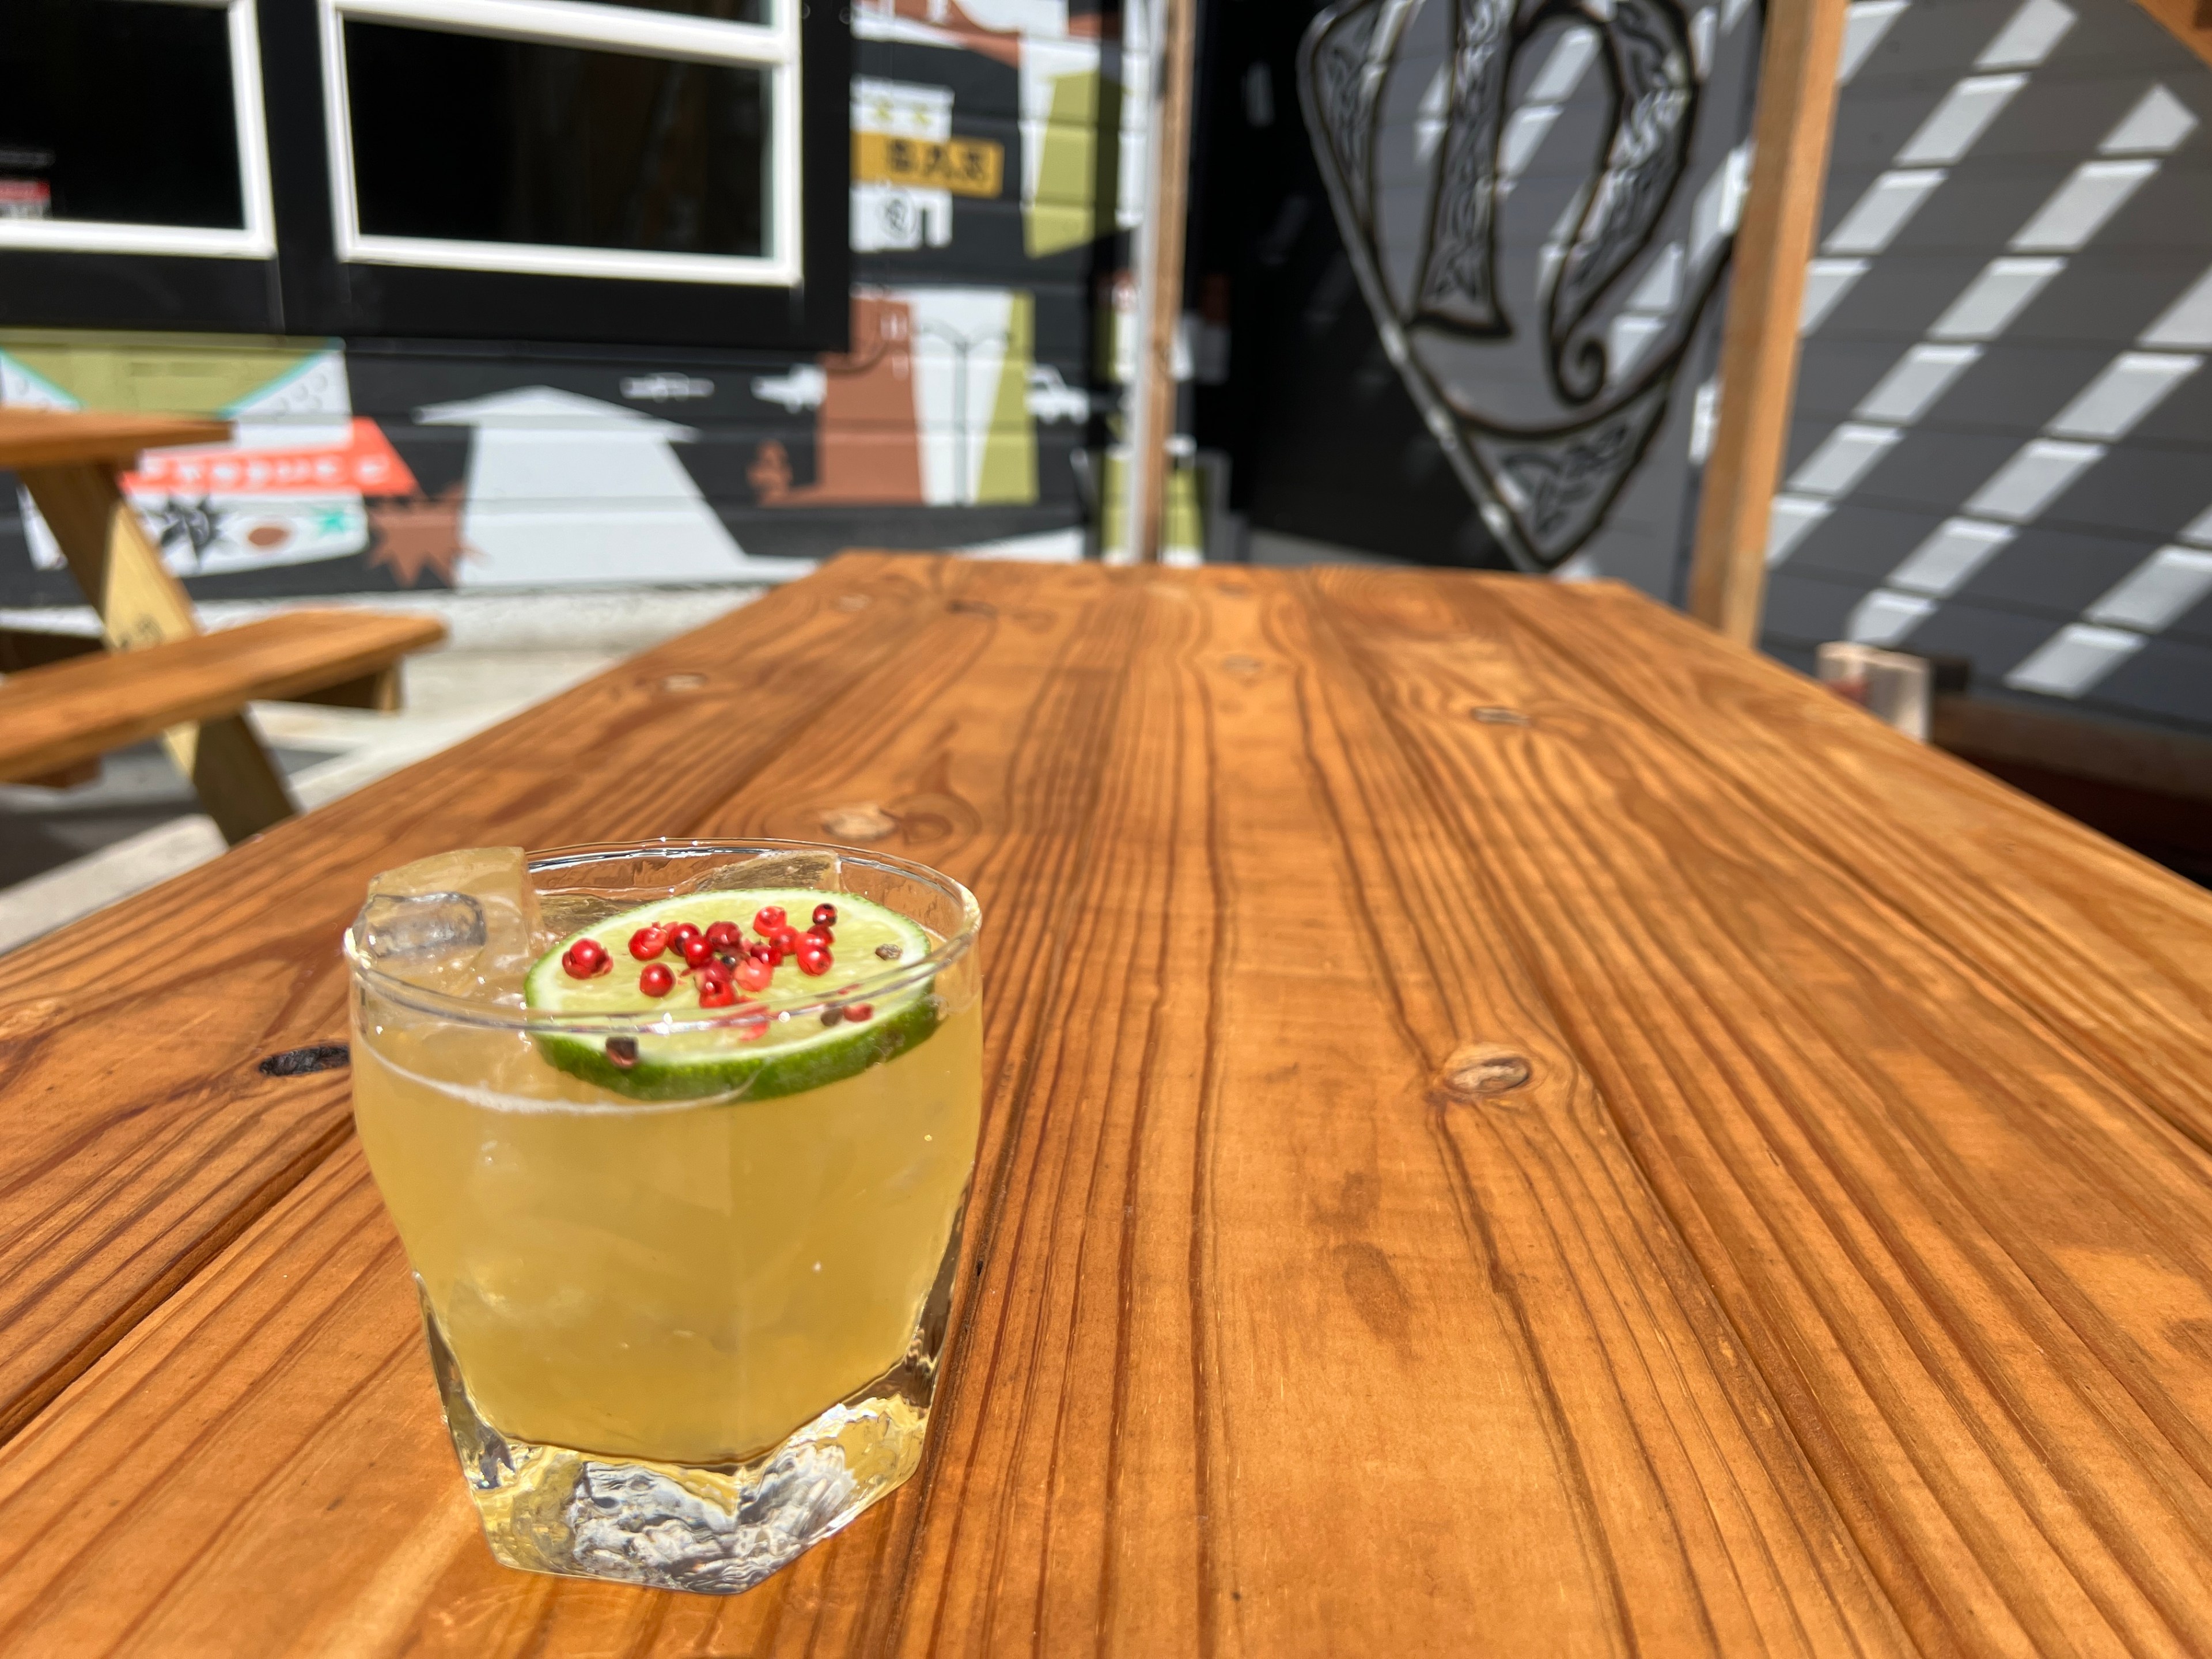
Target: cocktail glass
{"type": "Point", "coordinates": [685, 1270]}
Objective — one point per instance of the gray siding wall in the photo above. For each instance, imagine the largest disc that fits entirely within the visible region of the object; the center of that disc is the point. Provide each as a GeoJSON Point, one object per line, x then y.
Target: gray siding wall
{"type": "Point", "coordinates": [2003, 442]}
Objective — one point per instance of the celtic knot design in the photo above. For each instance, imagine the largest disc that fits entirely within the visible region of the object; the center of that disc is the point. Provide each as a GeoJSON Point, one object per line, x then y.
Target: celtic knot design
{"type": "Point", "coordinates": [1542, 360]}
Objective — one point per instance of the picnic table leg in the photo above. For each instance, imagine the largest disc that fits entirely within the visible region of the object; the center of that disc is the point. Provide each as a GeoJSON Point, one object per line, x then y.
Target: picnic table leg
{"type": "Point", "coordinates": [140, 603]}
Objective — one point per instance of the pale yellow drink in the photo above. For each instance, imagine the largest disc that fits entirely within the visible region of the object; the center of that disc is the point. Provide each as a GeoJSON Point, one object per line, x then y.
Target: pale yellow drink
{"type": "Point", "coordinates": [685, 1255]}
{"type": "Point", "coordinates": [682, 1281]}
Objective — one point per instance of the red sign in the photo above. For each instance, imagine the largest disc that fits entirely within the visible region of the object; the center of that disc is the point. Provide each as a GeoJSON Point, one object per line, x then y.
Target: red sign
{"type": "Point", "coordinates": [366, 465]}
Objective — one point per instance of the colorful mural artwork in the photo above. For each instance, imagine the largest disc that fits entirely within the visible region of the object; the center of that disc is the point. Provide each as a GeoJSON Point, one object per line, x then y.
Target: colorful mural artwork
{"type": "Point", "coordinates": [995, 158]}
{"type": "Point", "coordinates": [1542, 333]}
{"type": "Point", "coordinates": [555, 480]}
{"type": "Point", "coordinates": [933, 406]}
{"type": "Point", "coordinates": [294, 486]}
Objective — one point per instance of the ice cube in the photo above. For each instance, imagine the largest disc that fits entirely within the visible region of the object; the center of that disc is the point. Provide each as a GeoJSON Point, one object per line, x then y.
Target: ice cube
{"type": "Point", "coordinates": [464, 923]}
{"type": "Point", "coordinates": [421, 925]}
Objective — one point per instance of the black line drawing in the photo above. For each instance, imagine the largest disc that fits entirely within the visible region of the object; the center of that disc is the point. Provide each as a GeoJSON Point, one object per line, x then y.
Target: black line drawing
{"type": "Point", "coordinates": [1545, 468]}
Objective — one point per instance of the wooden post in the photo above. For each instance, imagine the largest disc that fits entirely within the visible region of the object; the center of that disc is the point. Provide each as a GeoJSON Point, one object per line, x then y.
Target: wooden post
{"type": "Point", "coordinates": [1160, 277]}
{"type": "Point", "coordinates": [1766, 298]}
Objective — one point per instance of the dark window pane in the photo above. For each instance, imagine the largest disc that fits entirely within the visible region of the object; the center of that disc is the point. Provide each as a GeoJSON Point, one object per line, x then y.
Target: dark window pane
{"type": "Point", "coordinates": [463, 138]}
{"type": "Point", "coordinates": [119, 110]}
{"type": "Point", "coordinates": [727, 11]}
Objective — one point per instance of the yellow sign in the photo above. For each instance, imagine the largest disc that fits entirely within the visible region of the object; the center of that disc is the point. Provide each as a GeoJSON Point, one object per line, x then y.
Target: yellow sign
{"type": "Point", "coordinates": [966, 166]}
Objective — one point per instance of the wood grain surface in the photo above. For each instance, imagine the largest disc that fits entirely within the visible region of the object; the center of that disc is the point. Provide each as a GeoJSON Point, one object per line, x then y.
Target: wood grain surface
{"type": "Point", "coordinates": [1513, 1128]}
{"type": "Point", "coordinates": [54, 437]}
{"type": "Point", "coordinates": [55, 716]}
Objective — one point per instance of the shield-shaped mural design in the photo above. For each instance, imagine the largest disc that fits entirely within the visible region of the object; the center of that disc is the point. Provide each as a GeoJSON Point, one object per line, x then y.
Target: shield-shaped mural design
{"type": "Point", "coordinates": [1538, 200]}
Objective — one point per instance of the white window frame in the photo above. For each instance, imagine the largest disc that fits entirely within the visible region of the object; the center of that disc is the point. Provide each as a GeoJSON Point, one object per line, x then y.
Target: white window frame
{"type": "Point", "coordinates": [256, 241]}
{"type": "Point", "coordinates": [772, 47]}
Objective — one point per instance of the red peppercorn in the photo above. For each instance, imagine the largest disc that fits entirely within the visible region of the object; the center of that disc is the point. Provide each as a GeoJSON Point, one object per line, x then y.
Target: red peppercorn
{"type": "Point", "coordinates": [658, 979]}
{"type": "Point", "coordinates": [586, 959]}
{"type": "Point", "coordinates": [725, 936]}
{"type": "Point", "coordinates": [784, 937]}
{"type": "Point", "coordinates": [696, 952]}
{"type": "Point", "coordinates": [716, 993]}
{"type": "Point", "coordinates": [755, 974]}
{"type": "Point", "coordinates": [821, 936]}
{"type": "Point", "coordinates": [825, 915]}
{"type": "Point", "coordinates": [768, 919]}
{"type": "Point", "coordinates": [813, 961]}
{"type": "Point", "coordinates": [648, 943]}
{"type": "Point", "coordinates": [860, 1011]}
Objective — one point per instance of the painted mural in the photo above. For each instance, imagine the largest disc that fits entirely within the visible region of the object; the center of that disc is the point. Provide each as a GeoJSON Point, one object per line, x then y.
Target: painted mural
{"type": "Point", "coordinates": [2001, 453]}
{"type": "Point", "coordinates": [997, 150]}
{"type": "Point", "coordinates": [1540, 317]}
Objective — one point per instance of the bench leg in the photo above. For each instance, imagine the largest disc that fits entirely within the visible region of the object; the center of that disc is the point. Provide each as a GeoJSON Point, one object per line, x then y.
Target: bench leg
{"type": "Point", "coordinates": [380, 692]}
{"type": "Point", "coordinates": [238, 783]}
{"type": "Point", "coordinates": [140, 603]}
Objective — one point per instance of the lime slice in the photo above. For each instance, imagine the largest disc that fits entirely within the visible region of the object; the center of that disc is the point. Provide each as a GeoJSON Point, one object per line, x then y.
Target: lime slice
{"type": "Point", "coordinates": [760, 1047]}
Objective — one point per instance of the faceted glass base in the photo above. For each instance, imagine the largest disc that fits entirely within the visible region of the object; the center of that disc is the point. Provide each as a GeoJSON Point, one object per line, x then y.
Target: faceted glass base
{"type": "Point", "coordinates": [680, 1526]}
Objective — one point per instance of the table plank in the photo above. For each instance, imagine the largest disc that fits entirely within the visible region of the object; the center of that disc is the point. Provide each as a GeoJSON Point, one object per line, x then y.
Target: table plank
{"type": "Point", "coordinates": [124, 1164]}
{"type": "Point", "coordinates": [1344, 1317]}
{"type": "Point", "coordinates": [1274, 1339]}
{"type": "Point", "coordinates": [1968, 1253]}
{"type": "Point", "coordinates": [2034, 892]}
{"type": "Point", "coordinates": [54, 437]}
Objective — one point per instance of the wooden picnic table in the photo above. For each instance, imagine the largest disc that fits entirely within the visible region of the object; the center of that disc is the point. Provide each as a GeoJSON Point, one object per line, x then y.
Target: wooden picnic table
{"type": "Point", "coordinates": [72, 462]}
{"type": "Point", "coordinates": [1513, 1126]}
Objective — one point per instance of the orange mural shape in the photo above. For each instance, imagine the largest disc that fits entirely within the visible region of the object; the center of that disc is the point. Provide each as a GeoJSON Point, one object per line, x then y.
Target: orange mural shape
{"type": "Point", "coordinates": [365, 463]}
{"type": "Point", "coordinates": [867, 448]}
{"type": "Point", "coordinates": [419, 534]}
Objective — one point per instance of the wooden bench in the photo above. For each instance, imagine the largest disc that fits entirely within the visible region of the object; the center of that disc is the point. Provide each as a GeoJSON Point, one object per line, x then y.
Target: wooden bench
{"type": "Point", "coordinates": [72, 462]}
{"type": "Point", "coordinates": [55, 718]}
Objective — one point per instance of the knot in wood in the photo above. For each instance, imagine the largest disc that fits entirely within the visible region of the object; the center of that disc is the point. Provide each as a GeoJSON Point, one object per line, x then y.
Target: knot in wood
{"type": "Point", "coordinates": [315, 1057]}
{"type": "Point", "coordinates": [21, 1019]}
{"type": "Point", "coordinates": [1478, 1070]}
{"type": "Point", "coordinates": [864, 821]}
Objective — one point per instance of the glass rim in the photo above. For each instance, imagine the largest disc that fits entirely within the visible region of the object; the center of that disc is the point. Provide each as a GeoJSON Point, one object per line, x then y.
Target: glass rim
{"type": "Point", "coordinates": [866, 987]}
